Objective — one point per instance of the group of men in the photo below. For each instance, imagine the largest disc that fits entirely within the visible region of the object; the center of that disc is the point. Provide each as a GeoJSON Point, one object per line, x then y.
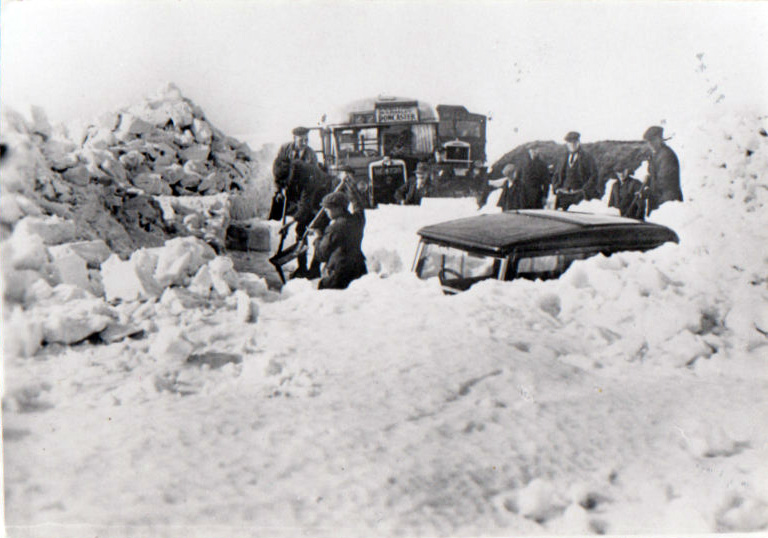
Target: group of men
{"type": "Point", "coordinates": [526, 181]}
{"type": "Point", "coordinates": [318, 203]}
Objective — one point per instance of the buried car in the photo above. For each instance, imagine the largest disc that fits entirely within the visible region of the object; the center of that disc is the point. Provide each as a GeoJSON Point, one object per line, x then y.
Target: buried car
{"type": "Point", "coordinates": [532, 244]}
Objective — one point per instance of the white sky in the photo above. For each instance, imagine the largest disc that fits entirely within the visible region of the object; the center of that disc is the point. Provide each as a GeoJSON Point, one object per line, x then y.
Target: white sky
{"type": "Point", "coordinates": [259, 68]}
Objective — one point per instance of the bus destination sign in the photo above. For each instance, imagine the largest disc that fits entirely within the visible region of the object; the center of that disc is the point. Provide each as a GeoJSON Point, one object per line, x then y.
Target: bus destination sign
{"type": "Point", "coordinates": [392, 114]}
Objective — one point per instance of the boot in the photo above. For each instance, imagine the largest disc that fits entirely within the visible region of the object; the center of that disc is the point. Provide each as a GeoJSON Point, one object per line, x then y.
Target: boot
{"type": "Point", "coordinates": [301, 271]}
{"type": "Point", "coordinates": [314, 269]}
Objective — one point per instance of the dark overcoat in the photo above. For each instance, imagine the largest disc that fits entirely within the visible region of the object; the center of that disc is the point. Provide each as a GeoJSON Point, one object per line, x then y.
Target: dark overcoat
{"type": "Point", "coordinates": [410, 193]}
{"type": "Point", "coordinates": [578, 171]}
{"type": "Point", "coordinates": [340, 245]}
{"type": "Point", "coordinates": [663, 178]}
{"type": "Point", "coordinates": [512, 196]}
{"type": "Point", "coordinates": [535, 183]}
{"type": "Point", "coordinates": [306, 187]}
{"type": "Point", "coordinates": [340, 249]}
{"type": "Point", "coordinates": [289, 151]}
{"type": "Point", "coordinates": [623, 195]}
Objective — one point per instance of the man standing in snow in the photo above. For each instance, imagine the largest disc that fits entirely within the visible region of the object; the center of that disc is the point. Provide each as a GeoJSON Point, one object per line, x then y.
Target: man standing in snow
{"type": "Point", "coordinates": [535, 180]}
{"type": "Point", "coordinates": [663, 181]}
{"type": "Point", "coordinates": [512, 188]}
{"type": "Point", "coordinates": [414, 190]}
{"type": "Point", "coordinates": [625, 195]}
{"type": "Point", "coordinates": [298, 149]}
{"type": "Point", "coordinates": [339, 246]}
{"type": "Point", "coordinates": [576, 176]}
{"type": "Point", "coordinates": [303, 186]}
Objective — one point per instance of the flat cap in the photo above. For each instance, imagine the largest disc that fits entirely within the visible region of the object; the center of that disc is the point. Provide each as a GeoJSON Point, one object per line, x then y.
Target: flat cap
{"type": "Point", "coordinates": [300, 131]}
{"type": "Point", "coordinates": [573, 136]}
{"type": "Point", "coordinates": [422, 167]}
{"type": "Point", "coordinates": [654, 132]}
{"type": "Point", "coordinates": [335, 199]}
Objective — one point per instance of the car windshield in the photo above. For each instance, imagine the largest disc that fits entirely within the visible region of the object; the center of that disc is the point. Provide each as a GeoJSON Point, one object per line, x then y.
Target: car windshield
{"type": "Point", "coordinates": [454, 267]}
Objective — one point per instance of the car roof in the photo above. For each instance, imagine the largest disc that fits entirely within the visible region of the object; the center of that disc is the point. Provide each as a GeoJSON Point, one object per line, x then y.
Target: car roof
{"type": "Point", "coordinates": [500, 233]}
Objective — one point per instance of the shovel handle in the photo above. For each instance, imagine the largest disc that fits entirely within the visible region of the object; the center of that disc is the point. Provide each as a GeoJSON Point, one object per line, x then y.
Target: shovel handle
{"type": "Point", "coordinates": [317, 215]}
{"type": "Point", "coordinates": [285, 227]}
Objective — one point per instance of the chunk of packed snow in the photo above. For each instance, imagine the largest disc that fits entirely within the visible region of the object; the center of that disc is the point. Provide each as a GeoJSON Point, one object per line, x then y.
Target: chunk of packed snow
{"type": "Point", "coordinates": [63, 293]}
{"type": "Point", "coordinates": [10, 209]}
{"type": "Point", "coordinates": [115, 332]}
{"type": "Point", "coordinates": [94, 252]}
{"type": "Point", "coordinates": [202, 131]}
{"type": "Point", "coordinates": [171, 345]}
{"type": "Point", "coordinates": [75, 320]}
{"type": "Point", "coordinates": [52, 230]}
{"type": "Point", "coordinates": [131, 126]}
{"type": "Point", "coordinates": [223, 276]}
{"type": "Point", "coordinates": [25, 250]}
{"type": "Point", "coordinates": [151, 183]}
{"type": "Point", "coordinates": [247, 309]}
{"type": "Point", "coordinates": [22, 334]}
{"type": "Point", "coordinates": [180, 258]}
{"type": "Point", "coordinates": [202, 282]}
{"type": "Point", "coordinates": [132, 279]}
{"type": "Point", "coordinates": [177, 300]}
{"type": "Point", "coordinates": [254, 285]}
{"type": "Point", "coordinates": [71, 268]}
{"type": "Point", "coordinates": [198, 152]}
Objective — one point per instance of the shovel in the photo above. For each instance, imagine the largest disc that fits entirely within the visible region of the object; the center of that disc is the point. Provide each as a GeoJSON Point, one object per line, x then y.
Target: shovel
{"type": "Point", "coordinates": [285, 255]}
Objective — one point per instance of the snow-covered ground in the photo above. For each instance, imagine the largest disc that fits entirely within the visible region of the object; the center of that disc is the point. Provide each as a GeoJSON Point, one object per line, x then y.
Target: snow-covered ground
{"type": "Point", "coordinates": [629, 396]}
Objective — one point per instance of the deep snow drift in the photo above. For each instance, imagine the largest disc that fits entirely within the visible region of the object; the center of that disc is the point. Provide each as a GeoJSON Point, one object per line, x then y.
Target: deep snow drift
{"type": "Point", "coordinates": [629, 396]}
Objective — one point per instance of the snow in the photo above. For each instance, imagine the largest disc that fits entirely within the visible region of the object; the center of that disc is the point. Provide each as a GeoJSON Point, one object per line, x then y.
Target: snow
{"type": "Point", "coordinates": [627, 397]}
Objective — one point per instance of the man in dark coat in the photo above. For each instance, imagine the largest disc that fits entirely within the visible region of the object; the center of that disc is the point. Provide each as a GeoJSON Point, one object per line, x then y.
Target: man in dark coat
{"type": "Point", "coordinates": [414, 189]}
{"type": "Point", "coordinates": [298, 149]}
{"type": "Point", "coordinates": [339, 246]}
{"type": "Point", "coordinates": [576, 176]}
{"type": "Point", "coordinates": [663, 181]}
{"type": "Point", "coordinates": [535, 179]}
{"type": "Point", "coordinates": [512, 194]}
{"type": "Point", "coordinates": [303, 186]}
{"type": "Point", "coordinates": [625, 195]}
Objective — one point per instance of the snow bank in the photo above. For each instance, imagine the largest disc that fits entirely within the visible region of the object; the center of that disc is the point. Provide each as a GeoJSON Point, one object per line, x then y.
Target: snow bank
{"type": "Point", "coordinates": [626, 397]}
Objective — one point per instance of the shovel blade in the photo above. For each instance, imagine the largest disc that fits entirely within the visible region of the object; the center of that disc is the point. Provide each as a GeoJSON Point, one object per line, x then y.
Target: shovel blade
{"type": "Point", "coordinates": [284, 256]}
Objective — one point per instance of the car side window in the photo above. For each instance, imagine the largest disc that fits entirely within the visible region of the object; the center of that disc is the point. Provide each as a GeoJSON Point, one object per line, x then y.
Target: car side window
{"type": "Point", "coordinates": [544, 266]}
{"type": "Point", "coordinates": [540, 267]}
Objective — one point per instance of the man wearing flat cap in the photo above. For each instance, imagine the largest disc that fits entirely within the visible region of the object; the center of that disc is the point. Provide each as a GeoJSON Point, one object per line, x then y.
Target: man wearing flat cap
{"type": "Point", "coordinates": [663, 181]}
{"type": "Point", "coordinates": [576, 176]}
{"type": "Point", "coordinates": [298, 149]}
{"type": "Point", "coordinates": [416, 188]}
{"type": "Point", "coordinates": [339, 246]}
